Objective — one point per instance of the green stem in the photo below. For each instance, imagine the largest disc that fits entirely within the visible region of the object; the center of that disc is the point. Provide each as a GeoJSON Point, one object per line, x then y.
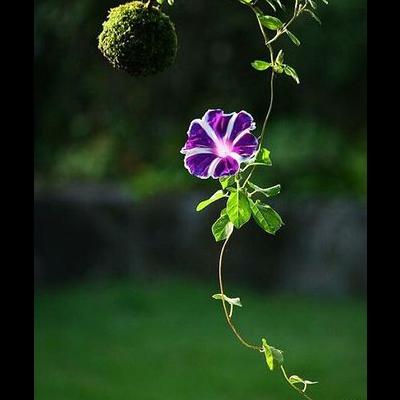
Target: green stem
{"type": "Point", "coordinates": [269, 109]}
{"type": "Point", "coordinates": [271, 99]}
{"type": "Point", "coordinates": [227, 316]}
{"type": "Point", "coordinates": [283, 30]}
{"type": "Point", "coordinates": [298, 8]}
{"type": "Point", "coordinates": [261, 138]}
{"type": "Point", "coordinates": [293, 385]}
{"type": "Point", "coordinates": [254, 164]}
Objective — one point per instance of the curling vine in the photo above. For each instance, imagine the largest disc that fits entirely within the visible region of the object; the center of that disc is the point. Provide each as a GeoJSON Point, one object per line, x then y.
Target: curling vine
{"type": "Point", "coordinates": [140, 39]}
{"type": "Point", "coordinates": [221, 146]}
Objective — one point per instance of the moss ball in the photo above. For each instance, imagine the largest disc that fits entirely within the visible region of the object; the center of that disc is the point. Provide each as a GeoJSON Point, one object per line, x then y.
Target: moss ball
{"type": "Point", "coordinates": [137, 39]}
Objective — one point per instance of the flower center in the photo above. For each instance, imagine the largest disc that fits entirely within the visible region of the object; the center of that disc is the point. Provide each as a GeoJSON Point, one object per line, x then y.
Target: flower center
{"type": "Point", "coordinates": [224, 149]}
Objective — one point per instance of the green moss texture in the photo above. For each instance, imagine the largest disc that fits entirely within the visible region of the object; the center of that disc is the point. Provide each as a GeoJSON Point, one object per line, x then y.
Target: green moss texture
{"type": "Point", "coordinates": [137, 39]}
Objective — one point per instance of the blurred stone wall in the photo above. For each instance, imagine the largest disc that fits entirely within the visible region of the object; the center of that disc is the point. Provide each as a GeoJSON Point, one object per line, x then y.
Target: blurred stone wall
{"type": "Point", "coordinates": [93, 232]}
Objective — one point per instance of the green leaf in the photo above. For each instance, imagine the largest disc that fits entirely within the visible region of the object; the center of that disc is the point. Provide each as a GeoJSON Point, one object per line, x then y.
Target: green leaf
{"type": "Point", "coordinates": [293, 38]}
{"type": "Point", "coordinates": [272, 191]}
{"type": "Point", "coordinates": [171, 2]}
{"type": "Point", "coordinates": [260, 65]}
{"type": "Point", "coordinates": [269, 358]}
{"type": "Point", "coordinates": [216, 196]}
{"type": "Point", "coordinates": [246, 1]}
{"type": "Point", "coordinates": [279, 57]}
{"type": "Point", "coordinates": [313, 15]}
{"type": "Point", "coordinates": [296, 379]}
{"type": "Point", "coordinates": [273, 356]}
{"type": "Point", "coordinates": [278, 65]}
{"type": "Point", "coordinates": [277, 355]}
{"type": "Point", "coordinates": [268, 192]}
{"type": "Point", "coordinates": [160, 2]}
{"type": "Point", "coordinates": [222, 227]}
{"type": "Point", "coordinates": [238, 208]}
{"type": "Point", "coordinates": [226, 181]}
{"type": "Point", "coordinates": [270, 22]}
{"type": "Point", "coordinates": [263, 157]}
{"type": "Point", "coordinates": [266, 217]}
{"type": "Point", "coordinates": [291, 72]}
{"type": "Point", "coordinates": [234, 301]}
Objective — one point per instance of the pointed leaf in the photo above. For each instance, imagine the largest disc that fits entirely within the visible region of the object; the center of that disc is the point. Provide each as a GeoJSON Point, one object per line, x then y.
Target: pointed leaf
{"type": "Point", "coordinates": [268, 192]}
{"type": "Point", "coordinates": [270, 22]}
{"type": "Point", "coordinates": [293, 38]}
{"type": "Point", "coordinates": [266, 217]}
{"type": "Point", "coordinates": [279, 57]}
{"type": "Point", "coordinates": [268, 354]}
{"type": "Point", "coordinates": [263, 156]}
{"type": "Point", "coordinates": [291, 72]}
{"type": "Point", "coordinates": [238, 208]}
{"type": "Point", "coordinates": [313, 15]}
{"type": "Point", "coordinates": [222, 227]}
{"type": "Point", "coordinates": [216, 196]}
{"type": "Point", "coordinates": [226, 181]}
{"type": "Point", "coordinates": [260, 65]}
{"type": "Point", "coordinates": [234, 301]}
{"type": "Point", "coordinates": [294, 379]}
{"type": "Point", "coordinates": [277, 355]}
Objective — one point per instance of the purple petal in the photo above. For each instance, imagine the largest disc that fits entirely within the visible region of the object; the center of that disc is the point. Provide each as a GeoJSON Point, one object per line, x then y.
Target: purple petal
{"type": "Point", "coordinates": [243, 121]}
{"type": "Point", "coordinates": [218, 143]}
{"type": "Point", "coordinates": [245, 145]}
{"type": "Point", "coordinates": [197, 137]}
{"type": "Point", "coordinates": [226, 166]}
{"type": "Point", "coordinates": [218, 121]}
{"type": "Point", "coordinates": [199, 164]}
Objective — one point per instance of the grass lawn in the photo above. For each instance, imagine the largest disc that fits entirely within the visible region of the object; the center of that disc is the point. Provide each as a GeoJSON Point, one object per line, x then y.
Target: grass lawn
{"type": "Point", "coordinates": [168, 340]}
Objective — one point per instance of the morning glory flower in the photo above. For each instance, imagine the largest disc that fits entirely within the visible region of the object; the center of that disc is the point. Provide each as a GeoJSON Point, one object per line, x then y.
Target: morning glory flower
{"type": "Point", "coordinates": [218, 143]}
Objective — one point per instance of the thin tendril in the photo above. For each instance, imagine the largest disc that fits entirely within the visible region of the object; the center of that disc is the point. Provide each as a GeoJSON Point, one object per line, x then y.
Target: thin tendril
{"type": "Point", "coordinates": [228, 315]}
{"type": "Point", "coordinates": [269, 107]}
{"type": "Point", "coordinates": [293, 385]}
{"type": "Point", "coordinates": [261, 138]}
{"type": "Point", "coordinates": [271, 99]}
{"type": "Point", "coordinates": [228, 318]}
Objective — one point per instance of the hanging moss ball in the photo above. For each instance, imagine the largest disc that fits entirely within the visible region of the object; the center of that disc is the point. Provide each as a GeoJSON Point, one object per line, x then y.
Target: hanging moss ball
{"type": "Point", "coordinates": [138, 39]}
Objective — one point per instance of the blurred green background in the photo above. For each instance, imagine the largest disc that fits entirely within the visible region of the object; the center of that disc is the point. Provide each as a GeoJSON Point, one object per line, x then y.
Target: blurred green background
{"type": "Point", "coordinates": [122, 312]}
{"type": "Point", "coordinates": [94, 123]}
{"type": "Point", "coordinates": [169, 340]}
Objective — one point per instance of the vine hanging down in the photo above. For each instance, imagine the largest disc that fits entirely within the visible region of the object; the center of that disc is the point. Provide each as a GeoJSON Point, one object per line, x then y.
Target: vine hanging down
{"type": "Point", "coordinates": [139, 38]}
{"type": "Point", "coordinates": [223, 146]}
